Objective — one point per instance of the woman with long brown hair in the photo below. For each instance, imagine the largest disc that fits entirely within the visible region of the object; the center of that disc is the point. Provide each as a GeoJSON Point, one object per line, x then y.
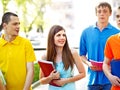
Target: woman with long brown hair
{"type": "Point", "coordinates": [64, 59]}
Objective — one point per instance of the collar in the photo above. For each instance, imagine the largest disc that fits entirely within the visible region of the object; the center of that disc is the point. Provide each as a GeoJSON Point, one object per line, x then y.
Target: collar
{"type": "Point", "coordinates": [109, 26]}
{"type": "Point", "coordinates": [3, 41]}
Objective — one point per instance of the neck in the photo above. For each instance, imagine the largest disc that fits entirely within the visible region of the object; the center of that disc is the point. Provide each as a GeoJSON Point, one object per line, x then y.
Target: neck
{"type": "Point", "coordinates": [119, 26]}
{"type": "Point", "coordinates": [59, 55]}
{"type": "Point", "coordinates": [101, 26]}
{"type": "Point", "coordinates": [9, 38]}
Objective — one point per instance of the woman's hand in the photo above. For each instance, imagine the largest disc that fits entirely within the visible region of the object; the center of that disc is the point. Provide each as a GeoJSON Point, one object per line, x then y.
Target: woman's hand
{"type": "Point", "coordinates": [54, 74]}
{"type": "Point", "coordinates": [61, 82]}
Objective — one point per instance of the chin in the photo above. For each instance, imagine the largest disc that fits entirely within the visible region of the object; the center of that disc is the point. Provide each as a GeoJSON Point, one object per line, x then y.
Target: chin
{"type": "Point", "coordinates": [15, 35]}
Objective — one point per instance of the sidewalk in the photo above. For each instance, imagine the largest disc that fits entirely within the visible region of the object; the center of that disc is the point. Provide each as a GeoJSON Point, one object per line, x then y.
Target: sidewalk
{"type": "Point", "coordinates": [80, 85]}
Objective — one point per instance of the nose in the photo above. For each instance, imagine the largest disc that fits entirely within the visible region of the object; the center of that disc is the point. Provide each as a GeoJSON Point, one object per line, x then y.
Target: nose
{"type": "Point", "coordinates": [62, 36]}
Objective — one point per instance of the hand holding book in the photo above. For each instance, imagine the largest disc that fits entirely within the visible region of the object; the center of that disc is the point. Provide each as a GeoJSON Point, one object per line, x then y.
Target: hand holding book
{"type": "Point", "coordinates": [54, 74]}
{"type": "Point", "coordinates": [47, 68]}
{"type": "Point", "coordinates": [97, 65]}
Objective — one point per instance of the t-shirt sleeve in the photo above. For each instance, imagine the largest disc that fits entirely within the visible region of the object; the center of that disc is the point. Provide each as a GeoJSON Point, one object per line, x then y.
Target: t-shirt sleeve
{"type": "Point", "coordinates": [30, 55]}
{"type": "Point", "coordinates": [82, 45]}
{"type": "Point", "coordinates": [108, 51]}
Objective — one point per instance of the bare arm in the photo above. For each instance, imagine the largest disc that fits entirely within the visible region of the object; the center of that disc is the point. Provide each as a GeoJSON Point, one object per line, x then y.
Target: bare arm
{"type": "Point", "coordinates": [29, 76]}
{"type": "Point", "coordinates": [84, 59]}
{"type": "Point", "coordinates": [80, 67]}
{"type": "Point", "coordinates": [107, 70]}
{"type": "Point", "coordinates": [2, 87]}
{"type": "Point", "coordinates": [48, 79]}
{"type": "Point", "coordinates": [81, 70]}
{"type": "Point", "coordinates": [88, 63]}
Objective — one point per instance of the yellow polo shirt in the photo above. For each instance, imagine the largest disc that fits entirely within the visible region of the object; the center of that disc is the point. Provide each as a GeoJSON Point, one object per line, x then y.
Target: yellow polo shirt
{"type": "Point", "coordinates": [13, 58]}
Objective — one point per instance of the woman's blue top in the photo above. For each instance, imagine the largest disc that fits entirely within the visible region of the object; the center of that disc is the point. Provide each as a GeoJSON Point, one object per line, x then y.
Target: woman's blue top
{"type": "Point", "coordinates": [63, 74]}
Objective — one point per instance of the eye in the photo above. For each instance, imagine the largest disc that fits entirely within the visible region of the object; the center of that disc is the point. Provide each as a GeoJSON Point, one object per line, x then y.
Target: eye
{"type": "Point", "coordinates": [58, 34]}
{"type": "Point", "coordinates": [99, 11]}
{"type": "Point", "coordinates": [16, 23]}
{"type": "Point", "coordinates": [117, 16]}
{"type": "Point", "coordinates": [104, 11]}
{"type": "Point", "coordinates": [64, 35]}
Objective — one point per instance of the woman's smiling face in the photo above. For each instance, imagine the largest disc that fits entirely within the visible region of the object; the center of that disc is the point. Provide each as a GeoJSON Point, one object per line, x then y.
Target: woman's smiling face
{"type": "Point", "coordinates": [60, 38]}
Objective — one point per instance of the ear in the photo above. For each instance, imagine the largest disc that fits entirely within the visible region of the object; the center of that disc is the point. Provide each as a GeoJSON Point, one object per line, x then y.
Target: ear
{"type": "Point", "coordinates": [4, 25]}
{"type": "Point", "coordinates": [110, 14]}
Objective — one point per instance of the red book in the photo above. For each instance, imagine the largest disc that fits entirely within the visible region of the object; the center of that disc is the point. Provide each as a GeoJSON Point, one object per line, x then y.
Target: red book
{"type": "Point", "coordinates": [47, 67]}
{"type": "Point", "coordinates": [97, 64]}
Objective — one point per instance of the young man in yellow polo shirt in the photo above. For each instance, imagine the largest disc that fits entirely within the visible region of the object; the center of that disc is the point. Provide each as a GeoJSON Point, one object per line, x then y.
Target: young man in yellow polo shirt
{"type": "Point", "coordinates": [16, 55]}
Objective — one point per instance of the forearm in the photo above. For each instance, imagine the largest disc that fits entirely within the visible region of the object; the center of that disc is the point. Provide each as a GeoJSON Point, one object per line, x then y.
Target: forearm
{"type": "Point", "coordinates": [84, 59]}
{"type": "Point", "coordinates": [28, 81]}
{"type": "Point", "coordinates": [53, 75]}
{"type": "Point", "coordinates": [106, 69]}
{"type": "Point", "coordinates": [2, 87]}
{"type": "Point", "coordinates": [45, 80]}
{"type": "Point", "coordinates": [74, 78]}
{"type": "Point", "coordinates": [29, 77]}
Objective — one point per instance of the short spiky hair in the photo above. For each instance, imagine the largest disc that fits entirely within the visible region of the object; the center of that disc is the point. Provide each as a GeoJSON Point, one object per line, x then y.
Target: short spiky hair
{"type": "Point", "coordinates": [6, 18]}
{"type": "Point", "coordinates": [103, 4]}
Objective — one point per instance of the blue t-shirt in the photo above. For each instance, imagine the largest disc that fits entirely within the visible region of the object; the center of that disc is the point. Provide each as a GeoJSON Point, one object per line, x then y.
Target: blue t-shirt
{"type": "Point", "coordinates": [92, 43]}
{"type": "Point", "coordinates": [64, 74]}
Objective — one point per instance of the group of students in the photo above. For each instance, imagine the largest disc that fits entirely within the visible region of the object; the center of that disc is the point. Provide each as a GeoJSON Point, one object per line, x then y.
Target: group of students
{"type": "Point", "coordinates": [96, 43]}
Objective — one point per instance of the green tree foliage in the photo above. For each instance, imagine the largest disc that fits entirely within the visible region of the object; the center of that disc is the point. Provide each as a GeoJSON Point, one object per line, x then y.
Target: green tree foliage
{"type": "Point", "coordinates": [36, 72]}
{"type": "Point", "coordinates": [5, 3]}
{"type": "Point", "coordinates": [31, 12]}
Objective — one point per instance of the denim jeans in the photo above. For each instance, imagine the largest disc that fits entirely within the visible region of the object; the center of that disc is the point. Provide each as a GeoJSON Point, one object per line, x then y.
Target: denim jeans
{"type": "Point", "coordinates": [100, 87]}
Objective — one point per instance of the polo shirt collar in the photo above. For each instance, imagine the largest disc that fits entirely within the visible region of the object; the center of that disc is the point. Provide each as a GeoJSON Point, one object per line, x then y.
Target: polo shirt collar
{"type": "Point", "coordinates": [109, 26]}
{"type": "Point", "coordinates": [3, 41]}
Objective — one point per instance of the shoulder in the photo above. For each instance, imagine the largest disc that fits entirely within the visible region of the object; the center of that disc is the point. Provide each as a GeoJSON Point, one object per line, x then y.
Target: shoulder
{"type": "Point", "coordinates": [44, 56]}
{"type": "Point", "coordinates": [113, 27]}
{"type": "Point", "coordinates": [22, 39]}
{"type": "Point", "coordinates": [88, 29]}
{"type": "Point", "coordinates": [115, 36]}
{"type": "Point", "coordinates": [73, 51]}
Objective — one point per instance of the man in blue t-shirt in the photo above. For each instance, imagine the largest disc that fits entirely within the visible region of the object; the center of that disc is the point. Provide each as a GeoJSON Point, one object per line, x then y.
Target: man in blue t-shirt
{"type": "Point", "coordinates": [92, 43]}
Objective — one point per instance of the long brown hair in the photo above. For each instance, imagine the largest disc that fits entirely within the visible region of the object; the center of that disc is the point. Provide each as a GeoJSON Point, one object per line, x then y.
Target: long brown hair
{"type": "Point", "coordinates": [67, 57]}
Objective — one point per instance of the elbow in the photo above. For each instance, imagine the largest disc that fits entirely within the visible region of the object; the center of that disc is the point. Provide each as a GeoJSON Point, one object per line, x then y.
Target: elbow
{"type": "Point", "coordinates": [83, 74]}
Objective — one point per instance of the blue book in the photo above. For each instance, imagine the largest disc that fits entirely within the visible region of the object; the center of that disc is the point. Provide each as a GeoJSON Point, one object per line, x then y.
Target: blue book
{"type": "Point", "coordinates": [115, 66]}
